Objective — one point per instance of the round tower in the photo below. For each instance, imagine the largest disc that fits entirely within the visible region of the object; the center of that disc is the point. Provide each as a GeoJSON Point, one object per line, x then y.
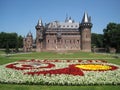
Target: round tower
{"type": "Point", "coordinates": [28, 42]}
{"type": "Point", "coordinates": [85, 27]}
{"type": "Point", "coordinates": [39, 36]}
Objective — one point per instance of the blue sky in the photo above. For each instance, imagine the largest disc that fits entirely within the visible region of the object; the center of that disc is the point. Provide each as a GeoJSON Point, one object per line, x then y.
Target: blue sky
{"type": "Point", "coordinates": [21, 16]}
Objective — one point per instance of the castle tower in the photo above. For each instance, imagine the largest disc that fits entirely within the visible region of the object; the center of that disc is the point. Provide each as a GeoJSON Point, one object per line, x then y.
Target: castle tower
{"type": "Point", "coordinates": [39, 36]}
{"type": "Point", "coordinates": [27, 42]}
{"type": "Point", "coordinates": [24, 44]}
{"type": "Point", "coordinates": [85, 27]}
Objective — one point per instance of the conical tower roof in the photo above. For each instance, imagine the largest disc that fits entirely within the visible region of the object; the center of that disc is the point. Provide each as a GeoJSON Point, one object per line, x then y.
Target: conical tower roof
{"type": "Point", "coordinates": [85, 18]}
{"type": "Point", "coordinates": [29, 34]}
{"type": "Point", "coordinates": [40, 22]}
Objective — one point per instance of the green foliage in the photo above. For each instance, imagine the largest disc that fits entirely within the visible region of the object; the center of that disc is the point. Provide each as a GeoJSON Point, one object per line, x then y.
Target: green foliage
{"type": "Point", "coordinates": [8, 38]}
{"type": "Point", "coordinates": [20, 41]}
{"type": "Point", "coordinates": [7, 50]}
{"type": "Point", "coordinates": [97, 40]}
{"type": "Point", "coordinates": [112, 36]}
{"type": "Point", "coordinates": [11, 40]}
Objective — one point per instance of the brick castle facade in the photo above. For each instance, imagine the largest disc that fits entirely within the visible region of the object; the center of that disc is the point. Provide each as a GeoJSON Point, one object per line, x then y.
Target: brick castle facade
{"type": "Point", "coordinates": [56, 36]}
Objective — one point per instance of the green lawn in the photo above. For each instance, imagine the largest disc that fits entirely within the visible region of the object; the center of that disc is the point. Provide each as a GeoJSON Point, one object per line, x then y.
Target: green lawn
{"type": "Point", "coordinates": [52, 55]}
{"type": "Point", "coordinates": [39, 87]}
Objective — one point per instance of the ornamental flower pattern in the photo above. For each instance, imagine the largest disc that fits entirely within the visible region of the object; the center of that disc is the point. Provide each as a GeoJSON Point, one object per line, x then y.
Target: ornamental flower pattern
{"type": "Point", "coordinates": [71, 68]}
{"type": "Point", "coordinates": [60, 72]}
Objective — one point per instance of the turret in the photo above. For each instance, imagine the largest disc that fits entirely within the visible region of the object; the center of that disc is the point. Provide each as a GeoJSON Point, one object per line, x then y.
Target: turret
{"type": "Point", "coordinates": [39, 24]}
{"type": "Point", "coordinates": [69, 20]}
{"type": "Point", "coordinates": [28, 42]}
{"type": "Point", "coordinates": [39, 35]}
{"type": "Point", "coordinates": [24, 44]}
{"type": "Point", "coordinates": [29, 34]}
{"type": "Point", "coordinates": [39, 29]}
{"type": "Point", "coordinates": [85, 27]}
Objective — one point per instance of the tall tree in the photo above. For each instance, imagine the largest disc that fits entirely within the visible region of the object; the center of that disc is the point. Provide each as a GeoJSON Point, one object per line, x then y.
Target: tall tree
{"type": "Point", "coordinates": [112, 36]}
{"type": "Point", "coordinates": [97, 40]}
{"type": "Point", "coordinates": [7, 48]}
{"type": "Point", "coordinates": [11, 40]}
{"type": "Point", "coordinates": [20, 41]}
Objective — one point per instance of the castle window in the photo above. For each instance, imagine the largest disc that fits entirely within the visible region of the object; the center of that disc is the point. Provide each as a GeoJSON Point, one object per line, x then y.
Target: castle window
{"type": "Point", "coordinates": [74, 41]}
{"type": "Point", "coordinates": [63, 25]}
{"type": "Point", "coordinates": [67, 25]}
{"type": "Point", "coordinates": [54, 41]}
{"type": "Point", "coordinates": [71, 25]}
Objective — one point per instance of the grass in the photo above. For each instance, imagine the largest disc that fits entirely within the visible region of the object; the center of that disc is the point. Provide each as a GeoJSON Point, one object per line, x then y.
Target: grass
{"type": "Point", "coordinates": [2, 52]}
{"type": "Point", "coordinates": [39, 87]}
{"type": "Point", "coordinates": [52, 55]}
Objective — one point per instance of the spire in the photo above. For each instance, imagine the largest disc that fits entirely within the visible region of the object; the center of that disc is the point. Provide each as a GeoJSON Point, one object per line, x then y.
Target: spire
{"type": "Point", "coordinates": [70, 20]}
{"type": "Point", "coordinates": [66, 20]}
{"type": "Point", "coordinates": [85, 18]}
{"type": "Point", "coordinates": [40, 22]}
{"type": "Point", "coordinates": [29, 34]}
{"type": "Point", "coordinates": [86, 21]}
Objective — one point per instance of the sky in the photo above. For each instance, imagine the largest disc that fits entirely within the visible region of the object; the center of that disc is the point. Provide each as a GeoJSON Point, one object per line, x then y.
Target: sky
{"type": "Point", "coordinates": [21, 16]}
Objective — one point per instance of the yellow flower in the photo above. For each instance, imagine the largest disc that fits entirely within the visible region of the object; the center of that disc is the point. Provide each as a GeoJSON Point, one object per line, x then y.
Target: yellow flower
{"type": "Point", "coordinates": [93, 67]}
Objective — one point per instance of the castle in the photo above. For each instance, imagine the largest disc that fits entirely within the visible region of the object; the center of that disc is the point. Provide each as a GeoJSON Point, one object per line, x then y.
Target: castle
{"type": "Point", "coordinates": [58, 36]}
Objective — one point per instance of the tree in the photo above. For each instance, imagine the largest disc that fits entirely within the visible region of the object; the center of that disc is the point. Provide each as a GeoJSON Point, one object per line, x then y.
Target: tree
{"type": "Point", "coordinates": [20, 41]}
{"type": "Point", "coordinates": [10, 40]}
{"type": "Point", "coordinates": [97, 40]}
{"type": "Point", "coordinates": [112, 36]}
{"type": "Point", "coordinates": [7, 50]}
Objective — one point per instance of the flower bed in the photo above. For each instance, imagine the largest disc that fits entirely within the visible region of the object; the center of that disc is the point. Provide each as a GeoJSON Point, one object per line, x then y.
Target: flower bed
{"type": "Point", "coordinates": [60, 72]}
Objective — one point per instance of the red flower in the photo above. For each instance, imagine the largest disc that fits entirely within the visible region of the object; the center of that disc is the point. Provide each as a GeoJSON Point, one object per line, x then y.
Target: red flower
{"type": "Point", "coordinates": [70, 71]}
{"type": "Point", "coordinates": [26, 67]}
